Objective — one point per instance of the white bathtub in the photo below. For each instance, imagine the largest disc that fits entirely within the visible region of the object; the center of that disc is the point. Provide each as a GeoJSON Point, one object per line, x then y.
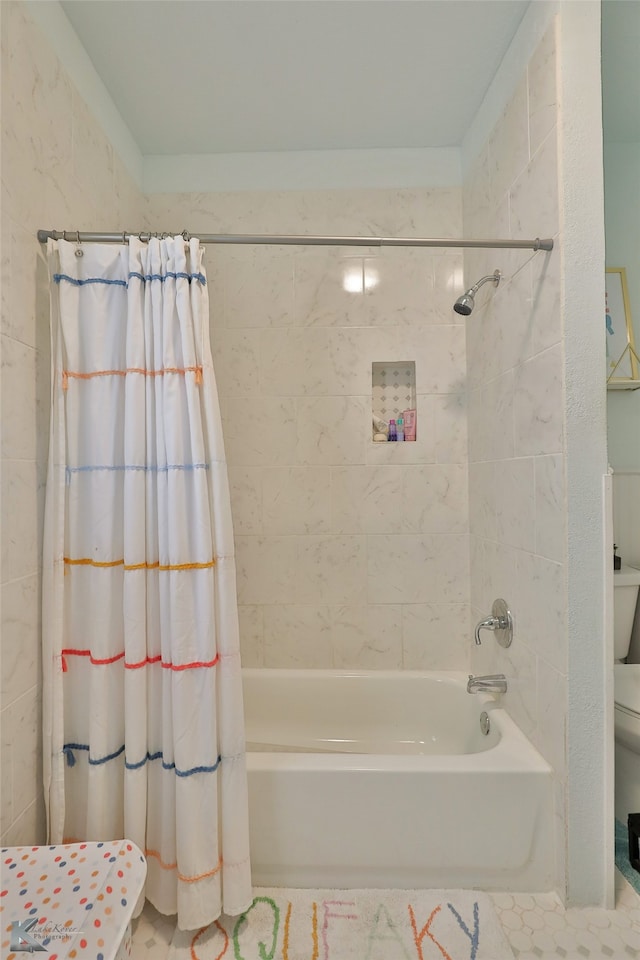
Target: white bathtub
{"type": "Point", "coordinates": [384, 779]}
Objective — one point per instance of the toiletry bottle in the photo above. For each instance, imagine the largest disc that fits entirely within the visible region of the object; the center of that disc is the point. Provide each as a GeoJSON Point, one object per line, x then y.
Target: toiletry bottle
{"type": "Point", "coordinates": [409, 417]}
{"type": "Point", "coordinates": [392, 430]}
{"type": "Point", "coordinates": [400, 429]}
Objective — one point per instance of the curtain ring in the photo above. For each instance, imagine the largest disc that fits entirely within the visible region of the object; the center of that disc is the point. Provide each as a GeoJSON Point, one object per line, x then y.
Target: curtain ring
{"type": "Point", "coordinates": [79, 252]}
{"type": "Point", "coordinates": [186, 236]}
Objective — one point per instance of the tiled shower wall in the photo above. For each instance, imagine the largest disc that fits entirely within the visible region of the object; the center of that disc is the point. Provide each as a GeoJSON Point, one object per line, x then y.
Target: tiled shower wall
{"type": "Point", "coordinates": [349, 553]}
{"type": "Point", "coordinates": [58, 170]}
{"type": "Point", "coordinates": [516, 424]}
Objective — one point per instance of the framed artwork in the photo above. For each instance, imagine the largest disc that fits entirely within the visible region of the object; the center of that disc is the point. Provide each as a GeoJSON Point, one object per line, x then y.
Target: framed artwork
{"type": "Point", "coordinates": [622, 359]}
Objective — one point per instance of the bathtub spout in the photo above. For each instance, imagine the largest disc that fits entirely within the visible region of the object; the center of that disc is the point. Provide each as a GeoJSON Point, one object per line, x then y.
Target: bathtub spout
{"type": "Point", "coordinates": [492, 683]}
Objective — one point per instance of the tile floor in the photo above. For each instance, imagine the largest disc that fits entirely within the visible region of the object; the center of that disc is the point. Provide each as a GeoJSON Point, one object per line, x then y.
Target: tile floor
{"type": "Point", "coordinates": [537, 927]}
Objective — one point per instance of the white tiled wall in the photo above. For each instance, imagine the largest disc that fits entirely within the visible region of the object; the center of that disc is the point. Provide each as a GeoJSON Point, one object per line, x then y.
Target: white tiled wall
{"type": "Point", "coordinates": [58, 170]}
{"type": "Point", "coordinates": [350, 553]}
{"type": "Point", "coordinates": [516, 402]}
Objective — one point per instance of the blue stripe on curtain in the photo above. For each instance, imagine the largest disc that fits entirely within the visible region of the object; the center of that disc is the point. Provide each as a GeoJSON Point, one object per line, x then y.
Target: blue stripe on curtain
{"type": "Point", "coordinates": [118, 468]}
{"type": "Point", "coordinates": [68, 749]}
{"type": "Point", "coordinates": [58, 277]}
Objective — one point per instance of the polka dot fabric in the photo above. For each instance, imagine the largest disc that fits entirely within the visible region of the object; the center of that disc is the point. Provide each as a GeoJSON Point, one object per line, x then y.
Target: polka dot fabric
{"type": "Point", "coordinates": [81, 895]}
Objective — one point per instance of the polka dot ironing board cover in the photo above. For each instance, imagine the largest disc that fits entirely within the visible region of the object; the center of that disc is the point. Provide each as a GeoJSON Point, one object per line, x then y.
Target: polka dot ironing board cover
{"type": "Point", "coordinates": [80, 895]}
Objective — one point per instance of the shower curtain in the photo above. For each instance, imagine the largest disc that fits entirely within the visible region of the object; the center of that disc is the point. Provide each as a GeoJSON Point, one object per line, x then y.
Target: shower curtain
{"type": "Point", "coordinates": [143, 718]}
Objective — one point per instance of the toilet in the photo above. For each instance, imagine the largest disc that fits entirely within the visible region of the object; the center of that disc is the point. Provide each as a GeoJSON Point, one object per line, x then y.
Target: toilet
{"type": "Point", "coordinates": [627, 692]}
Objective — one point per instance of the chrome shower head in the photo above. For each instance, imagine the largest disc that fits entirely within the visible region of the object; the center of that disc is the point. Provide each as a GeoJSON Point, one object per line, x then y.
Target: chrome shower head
{"type": "Point", "coordinates": [466, 302]}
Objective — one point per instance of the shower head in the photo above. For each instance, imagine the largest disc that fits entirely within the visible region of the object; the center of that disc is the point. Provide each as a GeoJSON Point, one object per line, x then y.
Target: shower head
{"type": "Point", "coordinates": [466, 302]}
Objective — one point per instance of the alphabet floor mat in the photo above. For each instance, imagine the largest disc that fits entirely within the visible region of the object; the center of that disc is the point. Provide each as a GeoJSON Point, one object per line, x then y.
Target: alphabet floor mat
{"type": "Point", "coordinates": [352, 925]}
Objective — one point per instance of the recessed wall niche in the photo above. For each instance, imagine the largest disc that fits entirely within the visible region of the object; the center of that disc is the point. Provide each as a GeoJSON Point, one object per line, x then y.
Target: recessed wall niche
{"type": "Point", "coordinates": [393, 389]}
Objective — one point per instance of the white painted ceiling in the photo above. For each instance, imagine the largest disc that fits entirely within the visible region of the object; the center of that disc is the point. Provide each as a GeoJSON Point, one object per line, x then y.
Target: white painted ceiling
{"type": "Point", "coordinates": [227, 76]}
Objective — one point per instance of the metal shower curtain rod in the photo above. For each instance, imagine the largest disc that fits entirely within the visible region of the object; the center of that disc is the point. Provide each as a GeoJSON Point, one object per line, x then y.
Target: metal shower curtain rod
{"type": "Point", "coordinates": [75, 236]}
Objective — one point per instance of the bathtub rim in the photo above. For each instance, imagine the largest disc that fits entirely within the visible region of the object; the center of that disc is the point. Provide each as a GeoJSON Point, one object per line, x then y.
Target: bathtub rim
{"type": "Point", "coordinates": [514, 751]}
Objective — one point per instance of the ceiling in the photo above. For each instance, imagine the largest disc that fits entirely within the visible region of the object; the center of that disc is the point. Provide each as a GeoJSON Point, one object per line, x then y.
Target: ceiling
{"type": "Point", "coordinates": [228, 76]}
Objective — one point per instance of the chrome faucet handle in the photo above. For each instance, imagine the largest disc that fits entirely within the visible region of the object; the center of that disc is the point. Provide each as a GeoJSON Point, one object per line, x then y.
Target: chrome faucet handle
{"type": "Point", "coordinates": [501, 622]}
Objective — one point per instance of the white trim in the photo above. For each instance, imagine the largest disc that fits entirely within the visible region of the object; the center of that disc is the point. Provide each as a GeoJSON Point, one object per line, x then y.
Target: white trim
{"type": "Point", "coordinates": [609, 745]}
{"type": "Point", "coordinates": [303, 170]}
{"type": "Point", "coordinates": [52, 20]}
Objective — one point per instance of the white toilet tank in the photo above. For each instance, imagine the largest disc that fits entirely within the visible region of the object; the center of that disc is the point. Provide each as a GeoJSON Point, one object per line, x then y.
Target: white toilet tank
{"type": "Point", "coordinates": [626, 582]}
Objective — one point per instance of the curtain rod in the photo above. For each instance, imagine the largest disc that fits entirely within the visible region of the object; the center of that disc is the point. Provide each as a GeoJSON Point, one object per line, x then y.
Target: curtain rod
{"type": "Point", "coordinates": [75, 236]}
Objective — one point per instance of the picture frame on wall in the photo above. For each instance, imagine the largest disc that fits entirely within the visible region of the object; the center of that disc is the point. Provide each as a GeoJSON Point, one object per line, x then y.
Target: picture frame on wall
{"type": "Point", "coordinates": [623, 363]}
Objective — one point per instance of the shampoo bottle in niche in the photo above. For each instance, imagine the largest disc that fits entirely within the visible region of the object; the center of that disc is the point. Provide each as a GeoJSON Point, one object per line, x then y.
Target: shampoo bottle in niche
{"type": "Point", "coordinates": [399, 429]}
{"type": "Point", "coordinates": [409, 417]}
{"type": "Point", "coordinates": [392, 430]}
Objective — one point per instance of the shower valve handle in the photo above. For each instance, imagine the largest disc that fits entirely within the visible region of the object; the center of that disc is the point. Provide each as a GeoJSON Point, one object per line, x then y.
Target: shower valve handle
{"type": "Point", "coordinates": [500, 621]}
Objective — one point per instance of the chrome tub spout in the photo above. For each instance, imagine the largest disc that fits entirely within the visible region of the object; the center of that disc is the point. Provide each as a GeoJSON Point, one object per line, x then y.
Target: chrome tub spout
{"type": "Point", "coordinates": [492, 683]}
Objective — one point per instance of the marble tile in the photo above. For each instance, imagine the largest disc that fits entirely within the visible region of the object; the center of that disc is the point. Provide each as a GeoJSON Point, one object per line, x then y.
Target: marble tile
{"type": "Point", "coordinates": [259, 291]}
{"type": "Point", "coordinates": [452, 576]}
{"type": "Point", "coordinates": [533, 200]}
{"type": "Point", "coordinates": [245, 488]}
{"type": "Point", "coordinates": [435, 636]}
{"type": "Point", "coordinates": [92, 157]}
{"type": "Point", "coordinates": [250, 618]}
{"type": "Point", "coordinates": [25, 722]}
{"type": "Point", "coordinates": [297, 635]}
{"type": "Point", "coordinates": [28, 827]}
{"type": "Point", "coordinates": [550, 507]}
{"type": "Point", "coordinates": [329, 289]}
{"type": "Point", "coordinates": [331, 569]}
{"type": "Point", "coordinates": [353, 350]}
{"type": "Point", "coordinates": [401, 569]}
{"type": "Point", "coordinates": [448, 284]}
{"type": "Point", "coordinates": [265, 569]}
{"type": "Point", "coordinates": [18, 391]}
{"type": "Point", "coordinates": [236, 362]}
{"type": "Point", "coordinates": [435, 499]}
{"type": "Point", "coordinates": [420, 450]}
{"type": "Point", "coordinates": [515, 337]}
{"type": "Point", "coordinates": [20, 667]}
{"type": "Point", "coordinates": [538, 406]}
{"type": "Point", "coordinates": [482, 499]}
{"type": "Point", "coordinates": [476, 196]}
{"type": "Point", "coordinates": [541, 81]}
{"type": "Point", "coordinates": [515, 503]}
{"type": "Point", "coordinates": [20, 549]}
{"type": "Point", "coordinates": [498, 399]}
{"type": "Point", "coordinates": [509, 143]}
{"type": "Point", "coordinates": [443, 360]}
{"type": "Point", "coordinates": [20, 250]}
{"type": "Point", "coordinates": [367, 637]}
{"type": "Point", "coordinates": [37, 118]}
{"type": "Point", "coordinates": [297, 500]}
{"type": "Point", "coordinates": [262, 431]}
{"type": "Point", "coordinates": [6, 780]}
{"type": "Point", "coordinates": [551, 711]}
{"type": "Point", "coordinates": [540, 606]}
{"type": "Point", "coordinates": [332, 431]}
{"type": "Point", "coordinates": [294, 362]}
{"type": "Point", "coordinates": [398, 287]}
{"type": "Point", "coordinates": [366, 499]}
{"type": "Point", "coordinates": [500, 577]}
{"type": "Point", "coordinates": [451, 428]}
{"type": "Point", "coordinates": [545, 314]}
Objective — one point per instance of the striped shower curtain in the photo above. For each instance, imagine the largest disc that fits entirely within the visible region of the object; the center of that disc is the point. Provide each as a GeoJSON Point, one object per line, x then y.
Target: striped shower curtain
{"type": "Point", "coordinates": [143, 718]}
